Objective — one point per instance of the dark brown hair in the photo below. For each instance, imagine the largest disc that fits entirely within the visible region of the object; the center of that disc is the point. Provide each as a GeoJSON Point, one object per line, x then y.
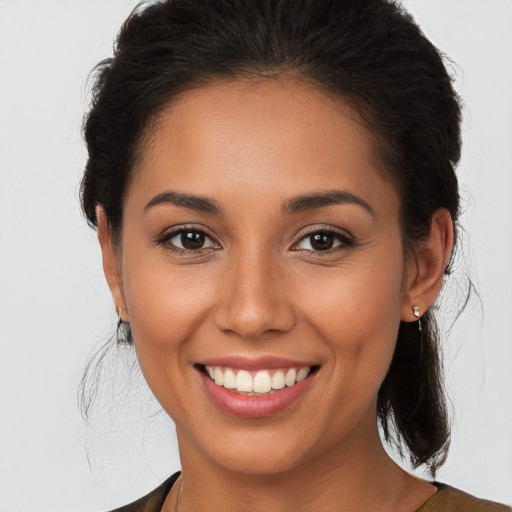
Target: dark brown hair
{"type": "Point", "coordinates": [371, 54]}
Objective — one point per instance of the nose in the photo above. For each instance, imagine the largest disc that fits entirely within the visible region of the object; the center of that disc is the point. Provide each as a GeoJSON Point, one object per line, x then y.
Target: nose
{"type": "Point", "coordinates": [254, 298]}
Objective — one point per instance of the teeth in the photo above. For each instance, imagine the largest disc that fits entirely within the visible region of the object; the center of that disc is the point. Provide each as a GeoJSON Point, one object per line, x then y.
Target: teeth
{"type": "Point", "coordinates": [218, 376]}
{"type": "Point", "coordinates": [278, 380]}
{"type": "Point", "coordinates": [261, 382]}
{"type": "Point", "coordinates": [229, 379]}
{"type": "Point", "coordinates": [303, 373]}
{"type": "Point", "coordinates": [243, 381]}
{"type": "Point", "coordinates": [291, 375]}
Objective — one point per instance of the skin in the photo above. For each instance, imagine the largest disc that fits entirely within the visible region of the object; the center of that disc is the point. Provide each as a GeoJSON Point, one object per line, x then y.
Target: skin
{"type": "Point", "coordinates": [259, 288]}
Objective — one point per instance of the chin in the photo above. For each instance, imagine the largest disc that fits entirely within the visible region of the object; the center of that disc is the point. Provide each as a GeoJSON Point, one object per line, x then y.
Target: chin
{"type": "Point", "coordinates": [258, 461]}
{"type": "Point", "coordinates": [256, 451]}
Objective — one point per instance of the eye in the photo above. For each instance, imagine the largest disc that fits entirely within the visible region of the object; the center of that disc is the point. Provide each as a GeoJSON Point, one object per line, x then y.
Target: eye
{"type": "Point", "coordinates": [322, 241]}
{"type": "Point", "coordinates": [188, 240]}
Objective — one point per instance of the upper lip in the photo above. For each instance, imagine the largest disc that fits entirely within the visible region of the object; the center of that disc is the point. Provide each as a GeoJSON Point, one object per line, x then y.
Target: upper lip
{"type": "Point", "coordinates": [256, 363]}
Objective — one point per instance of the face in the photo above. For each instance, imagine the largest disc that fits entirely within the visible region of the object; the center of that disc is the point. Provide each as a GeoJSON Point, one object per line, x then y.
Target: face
{"type": "Point", "coordinates": [261, 241]}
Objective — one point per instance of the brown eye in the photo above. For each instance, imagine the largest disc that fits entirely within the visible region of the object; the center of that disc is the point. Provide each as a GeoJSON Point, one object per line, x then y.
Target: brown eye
{"type": "Point", "coordinates": [188, 240]}
{"type": "Point", "coordinates": [321, 241]}
{"type": "Point", "coordinates": [192, 240]}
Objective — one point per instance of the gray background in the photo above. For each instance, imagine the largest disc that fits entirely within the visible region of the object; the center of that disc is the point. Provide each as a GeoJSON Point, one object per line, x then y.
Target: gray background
{"type": "Point", "coordinates": [55, 307]}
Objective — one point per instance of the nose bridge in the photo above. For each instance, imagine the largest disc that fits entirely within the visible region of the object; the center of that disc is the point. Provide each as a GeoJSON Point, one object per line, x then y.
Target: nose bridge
{"type": "Point", "coordinates": [254, 295]}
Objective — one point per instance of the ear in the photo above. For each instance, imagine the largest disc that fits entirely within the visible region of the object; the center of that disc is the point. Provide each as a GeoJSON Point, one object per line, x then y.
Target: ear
{"type": "Point", "coordinates": [426, 266]}
{"type": "Point", "coordinates": [111, 263]}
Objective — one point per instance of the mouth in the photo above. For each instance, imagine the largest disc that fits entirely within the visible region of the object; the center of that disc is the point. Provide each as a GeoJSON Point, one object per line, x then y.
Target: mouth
{"type": "Point", "coordinates": [263, 382]}
{"type": "Point", "coordinates": [257, 392]}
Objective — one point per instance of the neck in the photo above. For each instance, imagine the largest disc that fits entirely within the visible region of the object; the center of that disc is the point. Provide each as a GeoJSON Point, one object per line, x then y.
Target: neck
{"type": "Point", "coordinates": [356, 475]}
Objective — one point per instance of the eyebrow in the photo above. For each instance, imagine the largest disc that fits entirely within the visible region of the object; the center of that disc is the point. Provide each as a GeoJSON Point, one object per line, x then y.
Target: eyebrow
{"type": "Point", "coordinates": [190, 201]}
{"type": "Point", "coordinates": [295, 205]}
{"type": "Point", "coordinates": [318, 200]}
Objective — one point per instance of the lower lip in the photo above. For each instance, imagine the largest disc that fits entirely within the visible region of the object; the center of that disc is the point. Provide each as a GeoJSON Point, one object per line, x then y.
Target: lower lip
{"type": "Point", "coordinates": [254, 406]}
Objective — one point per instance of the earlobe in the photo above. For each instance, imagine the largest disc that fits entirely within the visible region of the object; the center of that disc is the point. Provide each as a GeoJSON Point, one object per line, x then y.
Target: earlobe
{"type": "Point", "coordinates": [431, 256]}
{"type": "Point", "coordinates": [111, 265]}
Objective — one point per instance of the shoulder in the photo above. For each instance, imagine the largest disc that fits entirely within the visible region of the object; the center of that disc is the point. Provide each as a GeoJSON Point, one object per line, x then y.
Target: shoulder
{"type": "Point", "coordinates": [153, 501]}
{"type": "Point", "coordinates": [449, 499]}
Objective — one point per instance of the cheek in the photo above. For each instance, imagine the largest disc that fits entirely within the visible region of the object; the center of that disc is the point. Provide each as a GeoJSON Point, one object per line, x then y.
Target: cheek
{"type": "Point", "coordinates": [357, 314]}
{"type": "Point", "coordinates": [166, 307]}
{"type": "Point", "coordinates": [357, 297]}
{"type": "Point", "coordinates": [165, 304]}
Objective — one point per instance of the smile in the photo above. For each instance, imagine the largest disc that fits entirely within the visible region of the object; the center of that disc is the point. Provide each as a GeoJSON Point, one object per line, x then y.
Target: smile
{"type": "Point", "coordinates": [260, 383]}
{"type": "Point", "coordinates": [257, 390]}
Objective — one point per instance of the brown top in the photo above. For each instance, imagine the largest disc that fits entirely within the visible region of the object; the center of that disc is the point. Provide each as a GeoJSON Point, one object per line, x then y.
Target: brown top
{"type": "Point", "coordinates": [449, 499]}
{"type": "Point", "coordinates": [446, 499]}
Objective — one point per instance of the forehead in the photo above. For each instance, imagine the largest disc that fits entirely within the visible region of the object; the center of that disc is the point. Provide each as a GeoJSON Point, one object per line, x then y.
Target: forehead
{"type": "Point", "coordinates": [264, 136]}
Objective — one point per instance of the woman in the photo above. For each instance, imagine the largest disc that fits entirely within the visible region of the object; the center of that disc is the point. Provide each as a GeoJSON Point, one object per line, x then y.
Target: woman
{"type": "Point", "coordinates": [274, 191]}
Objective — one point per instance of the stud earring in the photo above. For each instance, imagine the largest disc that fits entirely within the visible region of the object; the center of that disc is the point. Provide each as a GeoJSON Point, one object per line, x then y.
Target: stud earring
{"type": "Point", "coordinates": [416, 312]}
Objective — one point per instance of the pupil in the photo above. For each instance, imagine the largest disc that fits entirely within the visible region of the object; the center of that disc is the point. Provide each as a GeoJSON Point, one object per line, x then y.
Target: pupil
{"type": "Point", "coordinates": [322, 241]}
{"type": "Point", "coordinates": [192, 240]}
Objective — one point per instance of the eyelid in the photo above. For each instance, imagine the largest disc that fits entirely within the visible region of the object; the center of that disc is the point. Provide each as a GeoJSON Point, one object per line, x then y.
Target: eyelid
{"type": "Point", "coordinates": [172, 231]}
{"type": "Point", "coordinates": [347, 239]}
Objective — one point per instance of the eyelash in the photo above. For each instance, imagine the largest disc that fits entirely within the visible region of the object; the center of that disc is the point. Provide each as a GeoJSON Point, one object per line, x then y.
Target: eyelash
{"type": "Point", "coordinates": [346, 241]}
{"type": "Point", "coordinates": [165, 240]}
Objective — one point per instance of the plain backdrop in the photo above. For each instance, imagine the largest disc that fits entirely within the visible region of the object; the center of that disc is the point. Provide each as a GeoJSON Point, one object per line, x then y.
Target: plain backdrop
{"type": "Point", "coordinates": [55, 307]}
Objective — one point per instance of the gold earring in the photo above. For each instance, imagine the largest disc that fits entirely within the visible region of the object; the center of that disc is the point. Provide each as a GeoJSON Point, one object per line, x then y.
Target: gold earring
{"type": "Point", "coordinates": [416, 312]}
